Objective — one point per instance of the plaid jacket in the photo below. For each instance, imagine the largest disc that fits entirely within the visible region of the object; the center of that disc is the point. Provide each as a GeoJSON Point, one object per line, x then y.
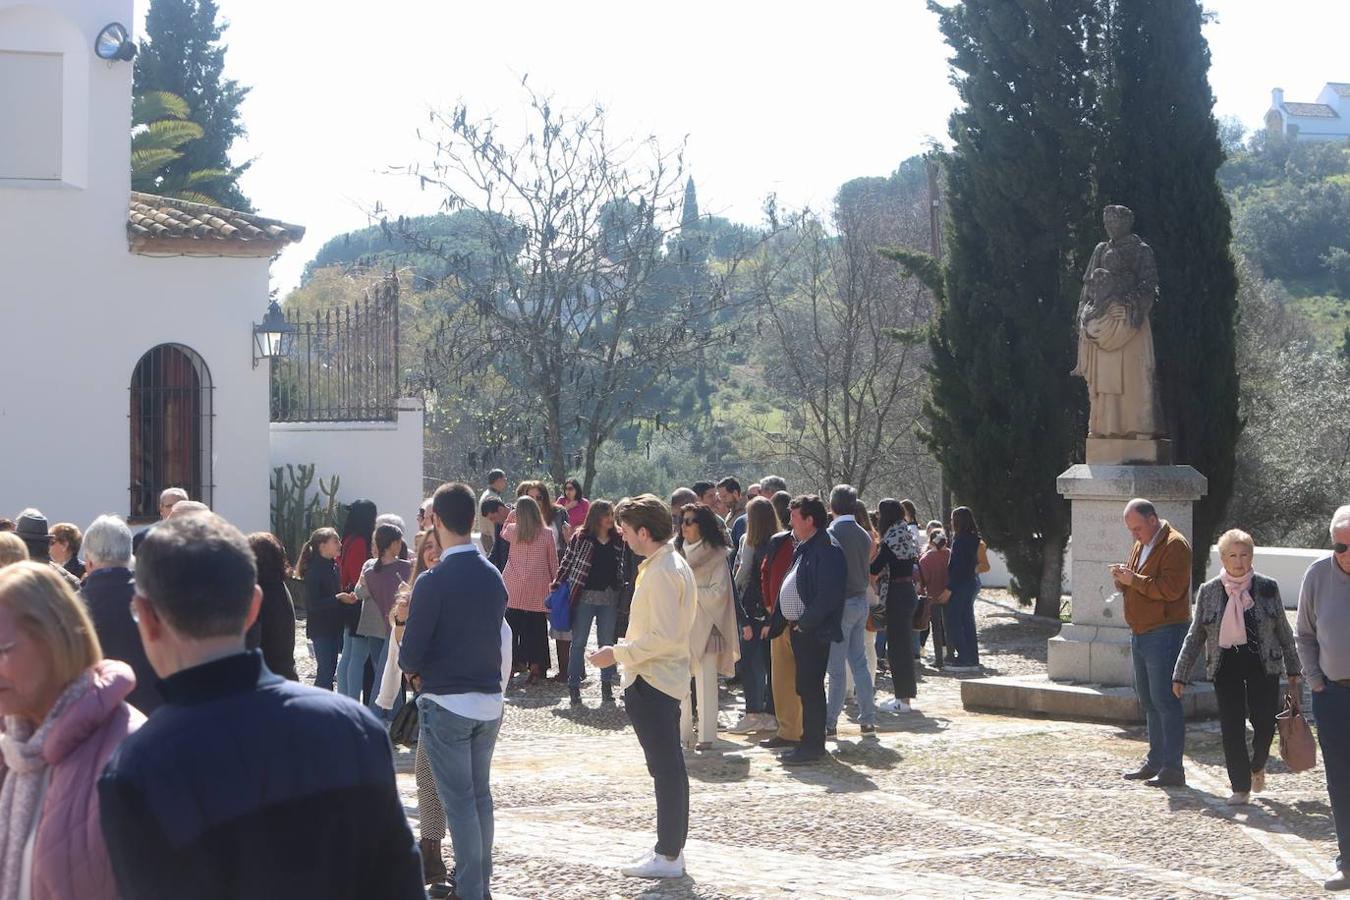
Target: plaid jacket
{"type": "Point", "coordinates": [575, 567]}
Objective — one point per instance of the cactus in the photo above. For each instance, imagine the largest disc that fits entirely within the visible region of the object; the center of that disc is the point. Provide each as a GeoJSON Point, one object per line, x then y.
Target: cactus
{"type": "Point", "coordinates": [294, 514]}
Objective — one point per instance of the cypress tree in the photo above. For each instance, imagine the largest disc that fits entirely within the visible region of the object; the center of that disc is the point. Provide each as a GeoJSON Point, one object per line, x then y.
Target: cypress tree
{"type": "Point", "coordinates": [1162, 160]}
{"type": "Point", "coordinates": [182, 54]}
{"type": "Point", "coordinates": [1006, 418]}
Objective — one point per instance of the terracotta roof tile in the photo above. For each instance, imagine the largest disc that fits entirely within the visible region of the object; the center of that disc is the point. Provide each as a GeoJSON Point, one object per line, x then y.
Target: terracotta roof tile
{"type": "Point", "coordinates": [1311, 110]}
{"type": "Point", "coordinates": [163, 225]}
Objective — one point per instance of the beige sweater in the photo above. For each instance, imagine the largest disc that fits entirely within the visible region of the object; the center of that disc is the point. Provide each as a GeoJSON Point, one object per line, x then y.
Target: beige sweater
{"type": "Point", "coordinates": [657, 644]}
{"type": "Point", "coordinates": [716, 605]}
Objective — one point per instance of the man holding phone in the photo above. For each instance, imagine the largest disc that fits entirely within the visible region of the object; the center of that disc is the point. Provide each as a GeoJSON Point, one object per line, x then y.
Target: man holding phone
{"type": "Point", "coordinates": [1156, 584]}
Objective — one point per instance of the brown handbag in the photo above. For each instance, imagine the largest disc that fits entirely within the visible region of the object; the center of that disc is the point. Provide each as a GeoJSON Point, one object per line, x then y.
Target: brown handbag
{"type": "Point", "coordinates": [1297, 748]}
{"type": "Point", "coordinates": [923, 613]}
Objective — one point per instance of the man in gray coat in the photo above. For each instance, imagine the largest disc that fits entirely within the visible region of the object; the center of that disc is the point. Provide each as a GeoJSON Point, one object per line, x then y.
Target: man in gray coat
{"type": "Point", "coordinates": [1323, 637]}
{"type": "Point", "coordinates": [856, 543]}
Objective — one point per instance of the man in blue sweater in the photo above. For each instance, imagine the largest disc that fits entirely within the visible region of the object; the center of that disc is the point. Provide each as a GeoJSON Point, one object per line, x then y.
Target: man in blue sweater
{"type": "Point", "coordinates": [243, 784]}
{"type": "Point", "coordinates": [457, 652]}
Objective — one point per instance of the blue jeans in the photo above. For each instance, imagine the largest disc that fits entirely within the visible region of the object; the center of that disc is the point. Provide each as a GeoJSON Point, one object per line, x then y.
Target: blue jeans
{"type": "Point", "coordinates": [961, 637]}
{"type": "Point", "coordinates": [460, 753]}
{"type": "Point", "coordinates": [605, 618]}
{"type": "Point", "coordinates": [352, 669]}
{"type": "Point", "coordinates": [1155, 656]}
{"type": "Point", "coordinates": [755, 672]}
{"type": "Point", "coordinates": [344, 665]}
{"type": "Point", "coordinates": [851, 652]}
{"type": "Point", "coordinates": [1331, 709]}
{"type": "Point", "coordinates": [326, 659]}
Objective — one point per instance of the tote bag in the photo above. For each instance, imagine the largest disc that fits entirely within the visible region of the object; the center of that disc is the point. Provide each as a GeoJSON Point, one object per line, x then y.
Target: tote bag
{"type": "Point", "coordinates": [559, 605]}
{"type": "Point", "coordinates": [1297, 748]}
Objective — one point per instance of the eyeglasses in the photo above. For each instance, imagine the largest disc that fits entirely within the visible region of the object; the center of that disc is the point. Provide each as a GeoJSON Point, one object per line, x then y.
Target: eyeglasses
{"type": "Point", "coordinates": [1340, 548]}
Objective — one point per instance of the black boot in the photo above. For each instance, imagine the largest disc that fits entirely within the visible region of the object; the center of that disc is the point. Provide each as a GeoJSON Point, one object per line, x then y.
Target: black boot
{"type": "Point", "coordinates": [575, 694]}
{"type": "Point", "coordinates": [606, 692]}
{"type": "Point", "coordinates": [433, 864]}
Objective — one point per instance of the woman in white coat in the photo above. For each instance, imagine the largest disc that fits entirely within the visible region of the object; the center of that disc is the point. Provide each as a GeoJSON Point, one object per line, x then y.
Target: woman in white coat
{"type": "Point", "coordinates": [713, 644]}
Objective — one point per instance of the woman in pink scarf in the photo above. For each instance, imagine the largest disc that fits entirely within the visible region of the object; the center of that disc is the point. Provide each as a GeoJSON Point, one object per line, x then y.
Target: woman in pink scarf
{"type": "Point", "coordinates": [64, 713]}
{"type": "Point", "coordinates": [1241, 623]}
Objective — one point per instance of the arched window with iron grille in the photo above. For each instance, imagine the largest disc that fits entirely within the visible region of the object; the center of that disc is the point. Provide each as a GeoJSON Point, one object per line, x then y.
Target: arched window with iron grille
{"type": "Point", "coordinates": [171, 427]}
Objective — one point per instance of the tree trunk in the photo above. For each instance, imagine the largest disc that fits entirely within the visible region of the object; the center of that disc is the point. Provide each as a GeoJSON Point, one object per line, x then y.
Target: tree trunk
{"type": "Point", "coordinates": [1048, 602]}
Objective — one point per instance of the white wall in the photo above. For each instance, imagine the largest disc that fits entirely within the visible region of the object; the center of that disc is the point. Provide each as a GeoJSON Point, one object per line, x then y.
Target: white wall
{"type": "Point", "coordinates": [379, 461]}
{"type": "Point", "coordinates": [78, 309]}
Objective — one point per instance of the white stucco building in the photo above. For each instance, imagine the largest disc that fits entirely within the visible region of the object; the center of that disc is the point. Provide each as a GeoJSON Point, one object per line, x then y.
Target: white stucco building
{"type": "Point", "coordinates": [126, 320]}
{"type": "Point", "coordinates": [1326, 119]}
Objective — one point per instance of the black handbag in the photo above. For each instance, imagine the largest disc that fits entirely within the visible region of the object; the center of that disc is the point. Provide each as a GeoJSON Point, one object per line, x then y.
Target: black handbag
{"type": "Point", "coordinates": [404, 726]}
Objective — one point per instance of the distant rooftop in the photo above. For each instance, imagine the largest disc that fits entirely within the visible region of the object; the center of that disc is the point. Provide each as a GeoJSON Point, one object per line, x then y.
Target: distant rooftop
{"type": "Point", "coordinates": [1311, 110]}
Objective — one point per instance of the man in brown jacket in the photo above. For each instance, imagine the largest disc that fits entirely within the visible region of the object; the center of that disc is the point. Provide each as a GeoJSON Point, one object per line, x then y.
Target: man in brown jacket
{"type": "Point", "coordinates": [1157, 587]}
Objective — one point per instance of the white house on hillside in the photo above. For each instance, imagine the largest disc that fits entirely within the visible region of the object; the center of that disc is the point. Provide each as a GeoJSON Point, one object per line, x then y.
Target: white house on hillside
{"type": "Point", "coordinates": [1328, 119]}
{"type": "Point", "coordinates": [127, 346]}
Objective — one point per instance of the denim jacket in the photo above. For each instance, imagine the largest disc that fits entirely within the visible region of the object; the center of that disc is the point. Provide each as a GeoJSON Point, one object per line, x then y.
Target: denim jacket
{"type": "Point", "coordinates": [1274, 635]}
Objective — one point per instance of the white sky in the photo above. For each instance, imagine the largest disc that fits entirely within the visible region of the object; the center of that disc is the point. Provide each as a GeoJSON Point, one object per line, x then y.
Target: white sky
{"type": "Point", "coordinates": [783, 98]}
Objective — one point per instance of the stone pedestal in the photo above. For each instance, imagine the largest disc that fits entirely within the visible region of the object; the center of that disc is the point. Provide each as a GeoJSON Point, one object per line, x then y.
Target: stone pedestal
{"type": "Point", "coordinates": [1128, 452]}
{"type": "Point", "coordinates": [1095, 647]}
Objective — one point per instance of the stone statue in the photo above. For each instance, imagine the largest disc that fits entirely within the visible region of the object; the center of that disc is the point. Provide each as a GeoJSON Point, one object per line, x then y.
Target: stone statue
{"type": "Point", "coordinates": [1115, 339]}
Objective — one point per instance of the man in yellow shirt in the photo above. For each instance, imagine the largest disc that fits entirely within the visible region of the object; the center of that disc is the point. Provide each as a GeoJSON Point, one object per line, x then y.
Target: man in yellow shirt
{"type": "Point", "coordinates": [656, 671]}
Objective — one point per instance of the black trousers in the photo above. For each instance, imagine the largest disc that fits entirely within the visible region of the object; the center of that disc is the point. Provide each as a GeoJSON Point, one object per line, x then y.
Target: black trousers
{"type": "Point", "coordinates": [813, 658]}
{"type": "Point", "coordinates": [529, 638]}
{"type": "Point", "coordinates": [656, 722]}
{"type": "Point", "coordinates": [1244, 690]}
{"type": "Point", "coordinates": [901, 602]}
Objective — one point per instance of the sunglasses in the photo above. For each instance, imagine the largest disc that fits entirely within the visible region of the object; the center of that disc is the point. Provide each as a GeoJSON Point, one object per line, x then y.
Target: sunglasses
{"type": "Point", "coordinates": [1340, 548]}
{"type": "Point", "coordinates": [689, 522]}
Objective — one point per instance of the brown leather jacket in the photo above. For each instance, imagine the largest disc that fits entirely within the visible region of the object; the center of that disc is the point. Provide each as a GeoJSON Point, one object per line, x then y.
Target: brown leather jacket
{"type": "Point", "coordinates": [1160, 593]}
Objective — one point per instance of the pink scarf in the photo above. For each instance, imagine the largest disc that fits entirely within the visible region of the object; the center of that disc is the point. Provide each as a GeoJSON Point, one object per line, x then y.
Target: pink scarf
{"type": "Point", "coordinates": [1233, 630]}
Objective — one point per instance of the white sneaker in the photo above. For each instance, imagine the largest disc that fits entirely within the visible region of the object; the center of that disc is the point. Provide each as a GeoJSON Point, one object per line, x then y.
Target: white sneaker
{"type": "Point", "coordinates": [766, 723]}
{"type": "Point", "coordinates": [894, 705]}
{"type": "Point", "coordinates": [656, 866]}
{"type": "Point", "coordinates": [1239, 798]}
{"type": "Point", "coordinates": [746, 724]}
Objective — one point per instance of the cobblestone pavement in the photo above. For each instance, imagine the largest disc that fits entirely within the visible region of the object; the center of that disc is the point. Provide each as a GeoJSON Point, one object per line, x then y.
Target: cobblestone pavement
{"type": "Point", "coordinates": [945, 804]}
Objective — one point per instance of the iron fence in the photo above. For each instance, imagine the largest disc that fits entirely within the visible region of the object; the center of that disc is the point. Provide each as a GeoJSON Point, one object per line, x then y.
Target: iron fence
{"type": "Point", "coordinates": [341, 365]}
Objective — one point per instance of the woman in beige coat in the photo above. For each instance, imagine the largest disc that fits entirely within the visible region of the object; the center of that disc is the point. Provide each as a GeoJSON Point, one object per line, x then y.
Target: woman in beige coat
{"type": "Point", "coordinates": [713, 647]}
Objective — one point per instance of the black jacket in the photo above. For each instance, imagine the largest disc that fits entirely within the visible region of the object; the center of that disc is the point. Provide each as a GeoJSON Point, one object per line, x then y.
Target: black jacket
{"type": "Point", "coordinates": [244, 784]}
{"type": "Point", "coordinates": [274, 631]}
{"type": "Point", "coordinates": [325, 614]}
{"type": "Point", "coordinates": [107, 596]}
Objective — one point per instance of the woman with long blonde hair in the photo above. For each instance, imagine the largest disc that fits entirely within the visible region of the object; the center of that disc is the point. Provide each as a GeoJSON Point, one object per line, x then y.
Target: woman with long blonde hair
{"type": "Point", "coordinates": [530, 571]}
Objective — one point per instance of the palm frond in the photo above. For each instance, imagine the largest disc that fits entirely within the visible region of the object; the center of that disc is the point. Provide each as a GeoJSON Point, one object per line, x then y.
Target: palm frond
{"type": "Point", "coordinates": [154, 106]}
{"type": "Point", "coordinates": [165, 135]}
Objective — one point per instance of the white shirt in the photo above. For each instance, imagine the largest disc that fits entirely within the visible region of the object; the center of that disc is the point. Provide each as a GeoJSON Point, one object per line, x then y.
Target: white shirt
{"type": "Point", "coordinates": [845, 518]}
{"type": "Point", "coordinates": [1148, 548]}
{"type": "Point", "coordinates": [482, 707]}
{"type": "Point", "coordinates": [789, 598]}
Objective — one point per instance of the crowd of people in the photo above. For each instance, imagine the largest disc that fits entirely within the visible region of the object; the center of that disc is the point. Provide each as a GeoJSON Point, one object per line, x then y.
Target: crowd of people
{"type": "Point", "coordinates": [156, 742]}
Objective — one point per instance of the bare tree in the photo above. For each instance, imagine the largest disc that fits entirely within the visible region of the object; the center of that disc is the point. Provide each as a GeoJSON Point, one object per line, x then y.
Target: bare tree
{"type": "Point", "coordinates": [585, 298]}
{"type": "Point", "coordinates": [856, 391]}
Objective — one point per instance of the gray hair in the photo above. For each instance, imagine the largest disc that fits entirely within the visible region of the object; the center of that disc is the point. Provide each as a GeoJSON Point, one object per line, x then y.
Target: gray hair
{"type": "Point", "coordinates": [1142, 507]}
{"type": "Point", "coordinates": [391, 519]}
{"type": "Point", "coordinates": [843, 500]}
{"type": "Point", "coordinates": [175, 492]}
{"type": "Point", "coordinates": [107, 542]}
{"type": "Point", "coordinates": [1340, 519]}
{"type": "Point", "coordinates": [188, 508]}
{"type": "Point", "coordinates": [772, 484]}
